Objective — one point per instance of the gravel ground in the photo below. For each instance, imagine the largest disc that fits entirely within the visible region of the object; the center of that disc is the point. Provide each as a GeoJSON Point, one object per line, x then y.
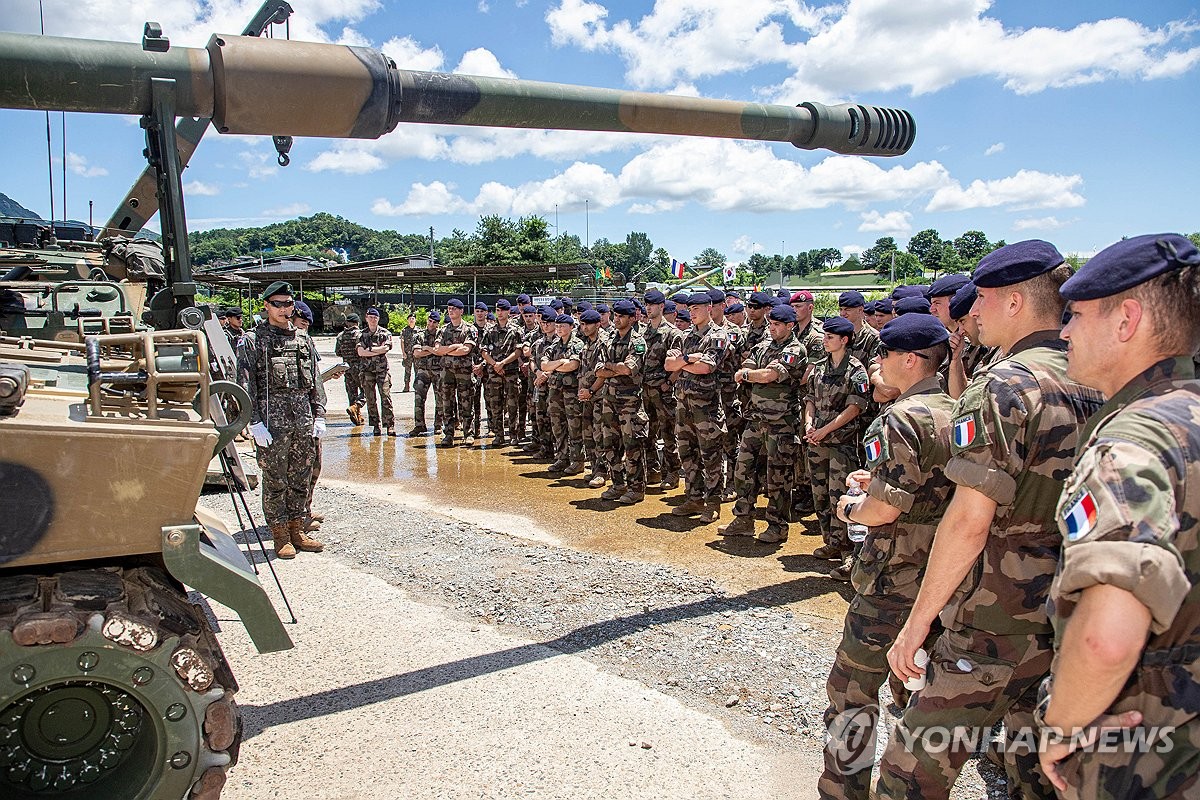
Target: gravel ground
{"type": "Point", "coordinates": [734, 657]}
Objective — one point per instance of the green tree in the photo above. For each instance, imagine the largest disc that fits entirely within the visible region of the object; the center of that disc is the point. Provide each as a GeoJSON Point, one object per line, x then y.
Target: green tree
{"type": "Point", "coordinates": [907, 267]}
{"type": "Point", "coordinates": [972, 246]}
{"type": "Point", "coordinates": [638, 250]}
{"type": "Point", "coordinates": [709, 257]}
{"type": "Point", "coordinates": [533, 240]}
{"type": "Point", "coordinates": [879, 256]}
{"type": "Point", "coordinates": [495, 241]}
{"type": "Point", "coordinates": [1195, 237]}
{"type": "Point", "coordinates": [760, 265]}
{"type": "Point", "coordinates": [927, 246]}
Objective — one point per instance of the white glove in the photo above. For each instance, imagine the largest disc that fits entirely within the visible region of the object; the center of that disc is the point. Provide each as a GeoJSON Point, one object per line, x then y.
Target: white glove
{"type": "Point", "coordinates": [262, 436]}
{"type": "Point", "coordinates": [318, 427]}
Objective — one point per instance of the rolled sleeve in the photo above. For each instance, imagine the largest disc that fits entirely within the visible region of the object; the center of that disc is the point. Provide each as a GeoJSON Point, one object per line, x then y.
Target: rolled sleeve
{"type": "Point", "coordinates": [894, 496]}
{"type": "Point", "coordinates": [986, 479]}
{"type": "Point", "coordinates": [1152, 574]}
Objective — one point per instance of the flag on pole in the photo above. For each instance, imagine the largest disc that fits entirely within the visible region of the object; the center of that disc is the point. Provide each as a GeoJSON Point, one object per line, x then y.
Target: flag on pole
{"type": "Point", "coordinates": [677, 268]}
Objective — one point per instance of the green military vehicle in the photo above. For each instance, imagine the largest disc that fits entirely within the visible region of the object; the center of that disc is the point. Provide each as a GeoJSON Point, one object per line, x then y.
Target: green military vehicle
{"type": "Point", "coordinates": [112, 682]}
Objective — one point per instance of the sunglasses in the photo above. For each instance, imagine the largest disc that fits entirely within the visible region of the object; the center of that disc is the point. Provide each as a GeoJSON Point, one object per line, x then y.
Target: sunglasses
{"type": "Point", "coordinates": [884, 351]}
{"type": "Point", "coordinates": [281, 303]}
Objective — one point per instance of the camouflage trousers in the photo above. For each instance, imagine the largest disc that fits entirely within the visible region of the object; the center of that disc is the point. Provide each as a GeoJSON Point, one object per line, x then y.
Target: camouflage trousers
{"type": "Point", "coordinates": [500, 392]}
{"type": "Point", "coordinates": [424, 382]}
{"type": "Point", "coordinates": [381, 383]}
{"type": "Point", "coordinates": [773, 444]}
{"type": "Point", "coordinates": [353, 380]}
{"type": "Point", "coordinates": [286, 463]}
{"type": "Point", "coordinates": [567, 423]}
{"type": "Point", "coordinates": [624, 449]}
{"type": "Point", "coordinates": [457, 392]}
{"type": "Point", "coordinates": [828, 468]}
{"type": "Point", "coordinates": [700, 431]}
{"type": "Point", "coordinates": [524, 396]}
{"type": "Point", "coordinates": [543, 431]}
{"type": "Point", "coordinates": [660, 406]}
{"type": "Point", "coordinates": [731, 404]}
{"type": "Point", "coordinates": [408, 371]}
{"type": "Point", "coordinates": [476, 400]}
{"type": "Point", "coordinates": [316, 474]}
{"type": "Point", "coordinates": [1001, 685]}
{"type": "Point", "coordinates": [590, 431]}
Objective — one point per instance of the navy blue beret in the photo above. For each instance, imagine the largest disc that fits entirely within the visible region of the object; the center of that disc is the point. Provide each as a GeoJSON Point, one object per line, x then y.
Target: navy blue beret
{"type": "Point", "coordinates": [761, 299]}
{"type": "Point", "coordinates": [1015, 263]}
{"type": "Point", "coordinates": [785, 313]}
{"type": "Point", "coordinates": [699, 299]}
{"type": "Point", "coordinates": [1129, 262]}
{"type": "Point", "coordinates": [590, 316]}
{"type": "Point", "coordinates": [481, 306]}
{"type": "Point", "coordinates": [523, 300]}
{"type": "Point", "coordinates": [734, 308]}
{"type": "Point", "coordinates": [303, 311]}
{"type": "Point", "coordinates": [869, 307]}
{"type": "Point", "coordinates": [683, 314]}
{"type": "Point", "coordinates": [548, 314]}
{"type": "Point", "coordinates": [964, 298]}
{"type": "Point", "coordinates": [912, 305]}
{"type": "Point", "coordinates": [221, 313]}
{"type": "Point", "coordinates": [947, 285]}
{"type": "Point", "coordinates": [603, 308]}
{"type": "Point", "coordinates": [528, 309]}
{"type": "Point", "coordinates": [503, 304]}
{"type": "Point", "coordinates": [680, 298]}
{"type": "Point", "coordinates": [568, 302]}
{"type": "Point", "coordinates": [669, 307]}
{"type": "Point", "coordinates": [557, 304]}
{"type": "Point", "coordinates": [625, 308]}
{"type": "Point", "coordinates": [901, 292]}
{"type": "Point", "coordinates": [372, 312]}
{"type": "Point", "coordinates": [913, 332]}
{"type": "Point", "coordinates": [491, 317]}
{"type": "Point", "coordinates": [883, 306]}
{"type": "Point", "coordinates": [784, 293]}
{"type": "Point", "coordinates": [435, 316]}
{"type": "Point", "coordinates": [583, 305]}
{"type": "Point", "coordinates": [638, 304]}
{"type": "Point", "coordinates": [851, 300]}
{"type": "Point", "coordinates": [733, 295]}
{"type": "Point", "coordinates": [456, 303]}
{"type": "Point", "coordinates": [839, 325]}
{"type": "Point", "coordinates": [655, 297]}
{"type": "Point", "coordinates": [716, 295]}
{"type": "Point", "coordinates": [564, 319]}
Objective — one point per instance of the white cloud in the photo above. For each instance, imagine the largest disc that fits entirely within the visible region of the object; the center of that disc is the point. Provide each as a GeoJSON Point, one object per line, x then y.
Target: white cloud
{"type": "Point", "coordinates": [259, 165]}
{"type": "Point", "coordinates": [482, 61]}
{"type": "Point", "coordinates": [745, 246]}
{"type": "Point", "coordinates": [79, 166]}
{"type": "Point", "coordinates": [353, 38]}
{"type": "Point", "coordinates": [896, 223]}
{"type": "Point", "coordinates": [291, 210]}
{"type": "Point", "coordinates": [998, 147]}
{"type": "Point", "coordinates": [408, 54]}
{"type": "Point", "coordinates": [1025, 189]}
{"type": "Point", "coordinates": [921, 47]}
{"type": "Point", "coordinates": [1041, 223]}
{"type": "Point", "coordinates": [483, 7]}
{"type": "Point", "coordinates": [200, 189]}
{"type": "Point", "coordinates": [347, 160]}
{"type": "Point", "coordinates": [851, 250]}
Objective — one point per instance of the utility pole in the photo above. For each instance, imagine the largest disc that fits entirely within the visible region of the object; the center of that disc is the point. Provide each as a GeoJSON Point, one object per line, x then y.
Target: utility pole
{"type": "Point", "coordinates": [431, 245]}
{"type": "Point", "coordinates": [893, 267]}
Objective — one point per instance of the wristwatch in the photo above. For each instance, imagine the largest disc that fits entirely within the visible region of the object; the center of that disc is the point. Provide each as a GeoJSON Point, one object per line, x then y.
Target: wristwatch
{"type": "Point", "coordinates": [745, 374]}
{"type": "Point", "coordinates": [850, 506]}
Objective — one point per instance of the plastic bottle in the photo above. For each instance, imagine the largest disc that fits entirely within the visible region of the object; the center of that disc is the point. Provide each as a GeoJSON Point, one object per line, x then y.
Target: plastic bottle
{"type": "Point", "coordinates": [918, 683]}
{"type": "Point", "coordinates": [856, 530]}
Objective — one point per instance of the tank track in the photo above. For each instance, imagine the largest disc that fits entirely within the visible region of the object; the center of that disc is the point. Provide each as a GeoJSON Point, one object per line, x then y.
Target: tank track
{"type": "Point", "coordinates": [112, 684]}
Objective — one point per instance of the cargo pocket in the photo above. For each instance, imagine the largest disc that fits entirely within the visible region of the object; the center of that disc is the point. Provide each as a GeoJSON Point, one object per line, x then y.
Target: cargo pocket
{"type": "Point", "coordinates": [283, 372]}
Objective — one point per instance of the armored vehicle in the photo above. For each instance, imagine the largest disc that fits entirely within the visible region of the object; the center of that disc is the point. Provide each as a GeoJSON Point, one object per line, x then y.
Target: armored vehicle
{"type": "Point", "coordinates": [112, 683]}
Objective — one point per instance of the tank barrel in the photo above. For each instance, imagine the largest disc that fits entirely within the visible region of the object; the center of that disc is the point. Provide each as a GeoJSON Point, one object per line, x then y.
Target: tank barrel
{"type": "Point", "coordinates": [250, 85]}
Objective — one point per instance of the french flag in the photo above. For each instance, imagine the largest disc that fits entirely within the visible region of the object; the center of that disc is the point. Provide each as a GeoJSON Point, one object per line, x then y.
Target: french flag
{"type": "Point", "coordinates": [677, 268]}
{"type": "Point", "coordinates": [964, 431]}
{"type": "Point", "coordinates": [873, 449]}
{"type": "Point", "coordinates": [1080, 517]}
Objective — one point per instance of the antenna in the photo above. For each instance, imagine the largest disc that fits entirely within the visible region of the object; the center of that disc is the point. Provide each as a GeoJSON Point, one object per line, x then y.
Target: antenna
{"type": "Point", "coordinates": [49, 151]}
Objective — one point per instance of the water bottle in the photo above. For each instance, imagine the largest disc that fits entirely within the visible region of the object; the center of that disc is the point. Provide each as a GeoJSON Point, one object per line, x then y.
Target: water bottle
{"type": "Point", "coordinates": [921, 658]}
{"type": "Point", "coordinates": [856, 530]}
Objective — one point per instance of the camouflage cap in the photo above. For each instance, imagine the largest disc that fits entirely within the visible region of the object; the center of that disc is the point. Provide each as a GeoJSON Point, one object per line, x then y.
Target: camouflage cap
{"type": "Point", "coordinates": [1129, 262]}
{"type": "Point", "coordinates": [1015, 263]}
{"type": "Point", "coordinates": [352, 318]}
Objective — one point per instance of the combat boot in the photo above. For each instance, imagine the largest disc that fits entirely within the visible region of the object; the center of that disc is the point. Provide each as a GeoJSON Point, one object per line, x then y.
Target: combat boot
{"type": "Point", "coordinates": [653, 476]}
{"type": "Point", "coordinates": [774, 534]}
{"type": "Point", "coordinates": [613, 492]}
{"type": "Point", "coordinates": [376, 430]}
{"type": "Point", "coordinates": [312, 524]}
{"type": "Point", "coordinates": [499, 441]}
{"type": "Point", "coordinates": [355, 415]}
{"type": "Point", "coordinates": [557, 467]}
{"type": "Point", "coordinates": [830, 552]}
{"type": "Point", "coordinates": [688, 508]}
{"type": "Point", "coordinates": [711, 512]}
{"type": "Point", "coordinates": [574, 468]}
{"type": "Point", "coordinates": [842, 571]}
{"type": "Point", "coordinates": [631, 497]}
{"type": "Point", "coordinates": [598, 480]}
{"type": "Point", "coordinates": [670, 481]}
{"type": "Point", "coordinates": [447, 440]}
{"type": "Point", "coordinates": [417, 430]}
{"type": "Point", "coordinates": [283, 541]}
{"type": "Point", "coordinates": [741, 526]}
{"type": "Point", "coordinates": [391, 431]}
{"type": "Point", "coordinates": [300, 538]}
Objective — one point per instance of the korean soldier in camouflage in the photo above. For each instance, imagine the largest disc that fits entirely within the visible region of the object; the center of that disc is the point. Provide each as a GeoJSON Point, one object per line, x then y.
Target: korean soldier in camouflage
{"type": "Point", "coordinates": [590, 406]}
{"type": "Point", "coordinates": [345, 346]}
{"type": "Point", "coordinates": [374, 343]}
{"type": "Point", "coordinates": [408, 340]}
{"type": "Point", "coordinates": [906, 449]}
{"type": "Point", "coordinates": [838, 394]}
{"type": "Point", "coordinates": [1125, 603]}
{"type": "Point", "coordinates": [773, 370]}
{"type": "Point", "coordinates": [1014, 434]}
{"type": "Point", "coordinates": [429, 370]}
{"type": "Point", "coordinates": [302, 319]}
{"type": "Point", "coordinates": [621, 368]}
{"type": "Point", "coordinates": [456, 345]}
{"type": "Point", "coordinates": [657, 395]}
{"type": "Point", "coordinates": [699, 418]}
{"type": "Point", "coordinates": [277, 366]}
{"type": "Point", "coordinates": [561, 363]}
{"type": "Point", "coordinates": [501, 353]}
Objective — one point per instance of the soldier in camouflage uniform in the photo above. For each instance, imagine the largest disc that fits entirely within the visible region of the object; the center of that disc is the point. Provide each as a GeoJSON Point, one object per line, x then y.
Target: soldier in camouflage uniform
{"type": "Point", "coordinates": [838, 394]}
{"type": "Point", "coordinates": [543, 431]}
{"type": "Point", "coordinates": [429, 371]}
{"type": "Point", "coordinates": [456, 345]}
{"type": "Point", "coordinates": [699, 419]}
{"type": "Point", "coordinates": [731, 403]}
{"type": "Point", "coordinates": [277, 366]}
{"type": "Point", "coordinates": [773, 370]}
{"type": "Point", "coordinates": [657, 396]}
{"type": "Point", "coordinates": [906, 448]}
{"type": "Point", "coordinates": [408, 340]}
{"type": "Point", "coordinates": [1014, 435]}
{"type": "Point", "coordinates": [811, 335]}
{"type": "Point", "coordinates": [1125, 603]}
{"type": "Point", "coordinates": [374, 343]}
{"type": "Point", "coordinates": [529, 328]}
{"type": "Point", "coordinates": [562, 363]}
{"type": "Point", "coordinates": [481, 325]}
{"type": "Point", "coordinates": [590, 396]}
{"type": "Point", "coordinates": [967, 356]}
{"type": "Point", "coordinates": [621, 364]}
{"type": "Point", "coordinates": [345, 346]}
{"type": "Point", "coordinates": [501, 352]}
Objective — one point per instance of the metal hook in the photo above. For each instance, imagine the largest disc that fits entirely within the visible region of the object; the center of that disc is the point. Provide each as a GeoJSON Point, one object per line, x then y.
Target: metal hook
{"type": "Point", "coordinates": [283, 144]}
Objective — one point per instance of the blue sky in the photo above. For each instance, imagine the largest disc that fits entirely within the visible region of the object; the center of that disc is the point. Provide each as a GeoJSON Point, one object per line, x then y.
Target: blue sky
{"type": "Point", "coordinates": [1075, 122]}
